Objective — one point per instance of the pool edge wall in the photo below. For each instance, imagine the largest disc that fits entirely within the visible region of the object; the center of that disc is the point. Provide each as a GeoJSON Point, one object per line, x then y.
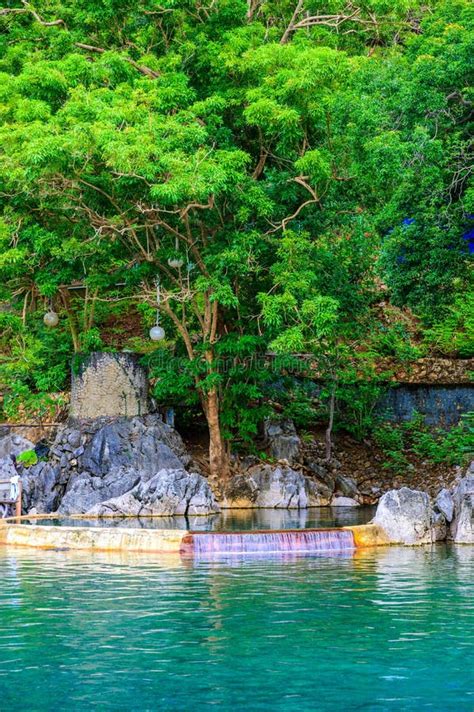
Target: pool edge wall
{"type": "Point", "coordinates": [92, 538]}
{"type": "Point", "coordinates": [136, 540]}
{"type": "Point", "coordinates": [368, 535]}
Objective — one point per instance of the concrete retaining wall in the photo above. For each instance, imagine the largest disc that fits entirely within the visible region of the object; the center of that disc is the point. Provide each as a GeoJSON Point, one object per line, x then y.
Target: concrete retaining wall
{"type": "Point", "coordinates": [108, 384]}
{"type": "Point", "coordinates": [92, 538]}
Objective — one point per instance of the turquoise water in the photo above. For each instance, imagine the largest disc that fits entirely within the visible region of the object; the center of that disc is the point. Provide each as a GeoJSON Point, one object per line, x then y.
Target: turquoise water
{"type": "Point", "coordinates": [387, 629]}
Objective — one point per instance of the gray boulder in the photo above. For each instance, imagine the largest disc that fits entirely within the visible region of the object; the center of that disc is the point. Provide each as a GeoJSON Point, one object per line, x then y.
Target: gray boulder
{"type": "Point", "coordinates": [346, 486]}
{"type": "Point", "coordinates": [275, 487]}
{"type": "Point", "coordinates": [147, 444]}
{"type": "Point", "coordinates": [445, 504]}
{"type": "Point", "coordinates": [169, 492]}
{"type": "Point", "coordinates": [339, 501]}
{"type": "Point", "coordinates": [321, 472]}
{"type": "Point", "coordinates": [462, 525]}
{"type": "Point", "coordinates": [41, 487]}
{"type": "Point", "coordinates": [407, 517]}
{"type": "Point", "coordinates": [282, 440]}
{"type": "Point", "coordinates": [7, 468]}
{"type": "Point", "coordinates": [84, 490]}
{"type": "Point", "coordinates": [13, 445]}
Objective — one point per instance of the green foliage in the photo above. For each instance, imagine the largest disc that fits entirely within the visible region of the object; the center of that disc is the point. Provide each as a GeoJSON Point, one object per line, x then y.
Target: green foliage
{"type": "Point", "coordinates": [468, 423]}
{"type": "Point", "coordinates": [28, 458]}
{"type": "Point", "coordinates": [274, 156]}
{"type": "Point", "coordinates": [240, 371]}
{"type": "Point", "coordinates": [356, 405]}
{"type": "Point", "coordinates": [391, 441]}
{"type": "Point", "coordinates": [454, 334]}
{"type": "Point", "coordinates": [451, 447]}
{"type": "Point", "coordinates": [395, 341]}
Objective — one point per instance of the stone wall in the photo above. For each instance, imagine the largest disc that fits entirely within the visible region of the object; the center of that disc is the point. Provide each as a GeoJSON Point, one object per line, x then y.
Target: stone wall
{"type": "Point", "coordinates": [425, 371]}
{"type": "Point", "coordinates": [108, 384]}
{"type": "Point", "coordinates": [441, 406]}
{"type": "Point", "coordinates": [437, 371]}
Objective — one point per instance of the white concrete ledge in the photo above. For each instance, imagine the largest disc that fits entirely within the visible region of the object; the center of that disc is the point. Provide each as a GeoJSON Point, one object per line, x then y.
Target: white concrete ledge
{"type": "Point", "coordinates": [92, 538]}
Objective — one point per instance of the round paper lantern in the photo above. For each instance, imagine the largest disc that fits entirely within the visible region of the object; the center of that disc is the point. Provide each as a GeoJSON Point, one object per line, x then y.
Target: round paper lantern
{"type": "Point", "coordinates": [175, 262]}
{"type": "Point", "coordinates": [51, 319]}
{"type": "Point", "coordinates": [157, 333]}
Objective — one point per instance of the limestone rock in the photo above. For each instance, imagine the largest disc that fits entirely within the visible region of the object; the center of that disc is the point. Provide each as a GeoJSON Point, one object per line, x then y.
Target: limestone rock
{"type": "Point", "coordinates": [321, 473]}
{"type": "Point", "coordinates": [41, 487]}
{"type": "Point", "coordinates": [147, 444]}
{"type": "Point", "coordinates": [406, 516]}
{"type": "Point", "coordinates": [439, 526]}
{"type": "Point", "coordinates": [346, 486]}
{"type": "Point", "coordinates": [169, 492]}
{"type": "Point", "coordinates": [338, 501]}
{"type": "Point", "coordinates": [7, 468]}
{"type": "Point", "coordinates": [14, 445]}
{"type": "Point", "coordinates": [445, 504]}
{"type": "Point", "coordinates": [282, 439]}
{"type": "Point", "coordinates": [275, 487]}
{"type": "Point", "coordinates": [462, 525]}
{"type": "Point", "coordinates": [93, 461]}
{"type": "Point", "coordinates": [84, 490]}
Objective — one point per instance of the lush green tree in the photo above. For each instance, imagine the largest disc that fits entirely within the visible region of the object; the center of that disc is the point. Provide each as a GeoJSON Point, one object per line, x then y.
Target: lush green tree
{"type": "Point", "coordinates": [193, 145]}
{"type": "Point", "coordinates": [319, 304]}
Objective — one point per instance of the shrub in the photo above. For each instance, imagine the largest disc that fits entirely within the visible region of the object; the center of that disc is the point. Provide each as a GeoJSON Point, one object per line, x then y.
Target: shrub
{"type": "Point", "coordinates": [28, 458]}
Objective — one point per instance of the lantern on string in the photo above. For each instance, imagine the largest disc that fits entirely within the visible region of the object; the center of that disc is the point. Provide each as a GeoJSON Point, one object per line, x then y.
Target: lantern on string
{"type": "Point", "coordinates": [176, 262]}
{"type": "Point", "coordinates": [157, 333]}
{"type": "Point", "coordinates": [51, 318]}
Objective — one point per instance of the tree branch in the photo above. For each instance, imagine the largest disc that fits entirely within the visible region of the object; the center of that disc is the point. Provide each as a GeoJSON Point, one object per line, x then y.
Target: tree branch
{"type": "Point", "coordinates": [27, 9]}
{"type": "Point", "coordinates": [291, 26]}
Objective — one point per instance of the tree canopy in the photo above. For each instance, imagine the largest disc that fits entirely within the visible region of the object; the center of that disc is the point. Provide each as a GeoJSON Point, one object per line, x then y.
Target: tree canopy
{"type": "Point", "coordinates": [271, 163]}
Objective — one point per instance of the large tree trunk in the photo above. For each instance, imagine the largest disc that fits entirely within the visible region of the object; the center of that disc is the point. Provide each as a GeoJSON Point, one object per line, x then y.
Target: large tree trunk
{"type": "Point", "coordinates": [218, 458]}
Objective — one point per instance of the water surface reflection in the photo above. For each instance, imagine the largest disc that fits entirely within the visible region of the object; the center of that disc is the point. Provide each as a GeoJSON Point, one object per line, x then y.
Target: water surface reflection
{"type": "Point", "coordinates": [235, 519]}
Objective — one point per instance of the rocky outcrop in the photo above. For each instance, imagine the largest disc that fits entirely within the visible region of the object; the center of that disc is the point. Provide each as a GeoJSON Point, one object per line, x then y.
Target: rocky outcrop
{"type": "Point", "coordinates": [444, 504]}
{"type": "Point", "coordinates": [410, 517]}
{"type": "Point", "coordinates": [276, 487]}
{"type": "Point", "coordinates": [282, 440]}
{"type": "Point", "coordinates": [104, 459]}
{"type": "Point", "coordinates": [10, 447]}
{"type": "Point", "coordinates": [407, 517]}
{"type": "Point", "coordinates": [168, 492]}
{"type": "Point", "coordinates": [13, 445]}
{"type": "Point", "coordinates": [119, 455]}
{"type": "Point", "coordinates": [320, 470]}
{"type": "Point", "coordinates": [7, 468]}
{"type": "Point", "coordinates": [346, 487]}
{"type": "Point", "coordinates": [42, 487]}
{"type": "Point", "coordinates": [462, 525]}
{"type": "Point", "coordinates": [340, 501]}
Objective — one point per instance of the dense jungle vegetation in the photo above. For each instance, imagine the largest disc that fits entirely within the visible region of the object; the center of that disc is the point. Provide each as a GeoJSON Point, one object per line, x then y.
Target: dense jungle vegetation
{"type": "Point", "coordinates": [298, 175]}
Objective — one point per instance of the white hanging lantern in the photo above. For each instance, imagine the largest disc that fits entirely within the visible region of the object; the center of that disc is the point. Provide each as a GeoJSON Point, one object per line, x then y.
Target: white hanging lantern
{"type": "Point", "coordinates": [157, 333]}
{"type": "Point", "coordinates": [175, 262]}
{"type": "Point", "coordinates": [51, 319]}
